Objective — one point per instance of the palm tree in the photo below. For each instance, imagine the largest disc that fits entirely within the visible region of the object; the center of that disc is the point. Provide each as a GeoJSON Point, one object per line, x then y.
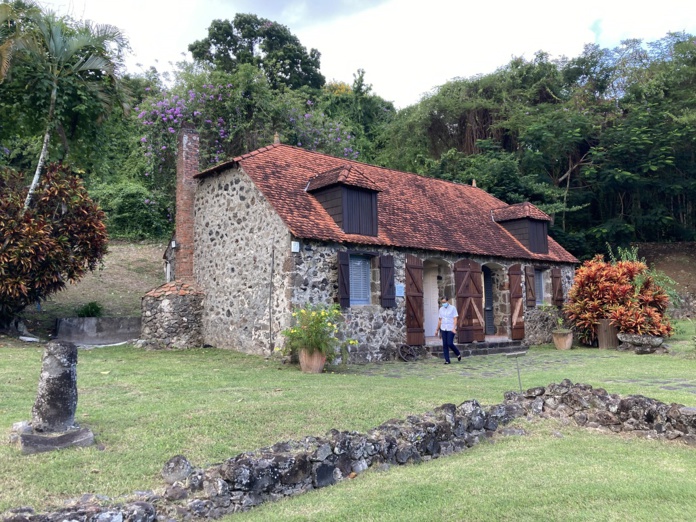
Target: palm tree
{"type": "Point", "coordinates": [11, 17]}
{"type": "Point", "coordinates": [61, 52]}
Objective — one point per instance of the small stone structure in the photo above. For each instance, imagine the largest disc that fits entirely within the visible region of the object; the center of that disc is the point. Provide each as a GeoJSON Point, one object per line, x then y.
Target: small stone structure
{"type": "Point", "coordinates": [641, 344]}
{"type": "Point", "coordinates": [171, 316]}
{"type": "Point", "coordinates": [294, 467]}
{"type": "Point", "coordinates": [53, 415]}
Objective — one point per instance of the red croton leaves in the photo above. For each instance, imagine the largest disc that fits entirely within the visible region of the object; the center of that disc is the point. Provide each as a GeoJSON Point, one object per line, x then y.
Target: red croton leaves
{"type": "Point", "coordinates": [623, 292]}
{"type": "Point", "coordinates": [58, 239]}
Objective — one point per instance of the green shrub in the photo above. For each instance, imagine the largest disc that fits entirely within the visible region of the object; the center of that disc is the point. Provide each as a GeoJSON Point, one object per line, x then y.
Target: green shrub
{"type": "Point", "coordinates": [133, 211]}
{"type": "Point", "coordinates": [91, 309]}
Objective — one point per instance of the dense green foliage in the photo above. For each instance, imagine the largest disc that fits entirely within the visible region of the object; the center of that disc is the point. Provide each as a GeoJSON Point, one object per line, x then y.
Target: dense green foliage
{"type": "Point", "coordinates": [56, 240]}
{"type": "Point", "coordinates": [604, 142]}
{"type": "Point", "coordinates": [264, 44]}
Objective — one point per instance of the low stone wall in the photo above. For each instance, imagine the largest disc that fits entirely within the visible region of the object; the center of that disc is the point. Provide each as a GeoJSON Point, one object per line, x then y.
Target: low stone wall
{"type": "Point", "coordinates": [172, 316]}
{"type": "Point", "coordinates": [595, 408]}
{"type": "Point", "coordinates": [294, 467]}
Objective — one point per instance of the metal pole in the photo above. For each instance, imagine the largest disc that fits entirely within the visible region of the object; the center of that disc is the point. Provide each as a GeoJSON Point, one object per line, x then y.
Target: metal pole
{"type": "Point", "coordinates": [270, 302]}
{"type": "Point", "coordinates": [519, 379]}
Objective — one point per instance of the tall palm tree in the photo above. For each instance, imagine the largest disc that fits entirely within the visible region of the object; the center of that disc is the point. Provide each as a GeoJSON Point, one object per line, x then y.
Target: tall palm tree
{"type": "Point", "coordinates": [62, 52]}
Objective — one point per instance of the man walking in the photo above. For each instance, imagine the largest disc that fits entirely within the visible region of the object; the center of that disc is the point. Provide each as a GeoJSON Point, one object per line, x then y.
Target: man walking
{"type": "Point", "coordinates": [446, 325]}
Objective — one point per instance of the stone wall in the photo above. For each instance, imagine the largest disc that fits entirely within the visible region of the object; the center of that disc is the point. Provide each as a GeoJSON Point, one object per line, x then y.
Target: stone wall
{"type": "Point", "coordinates": [294, 467]}
{"type": "Point", "coordinates": [241, 247]}
{"type": "Point", "coordinates": [172, 316]}
{"type": "Point", "coordinates": [590, 407]}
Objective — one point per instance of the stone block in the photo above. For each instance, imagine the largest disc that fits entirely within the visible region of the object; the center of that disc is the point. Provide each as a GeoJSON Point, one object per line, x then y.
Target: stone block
{"type": "Point", "coordinates": [31, 443]}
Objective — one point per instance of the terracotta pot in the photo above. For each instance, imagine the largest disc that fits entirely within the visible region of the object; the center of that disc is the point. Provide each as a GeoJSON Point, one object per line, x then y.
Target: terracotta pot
{"type": "Point", "coordinates": [312, 362]}
{"type": "Point", "coordinates": [562, 339]}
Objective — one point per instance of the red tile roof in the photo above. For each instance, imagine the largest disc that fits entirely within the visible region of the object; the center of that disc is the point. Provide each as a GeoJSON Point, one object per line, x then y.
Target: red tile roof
{"type": "Point", "coordinates": [414, 211]}
{"type": "Point", "coordinates": [346, 174]}
{"type": "Point", "coordinates": [519, 211]}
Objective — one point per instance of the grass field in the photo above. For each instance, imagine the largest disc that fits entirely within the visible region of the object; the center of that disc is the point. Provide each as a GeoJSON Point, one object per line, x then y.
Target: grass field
{"type": "Point", "coordinates": [145, 407]}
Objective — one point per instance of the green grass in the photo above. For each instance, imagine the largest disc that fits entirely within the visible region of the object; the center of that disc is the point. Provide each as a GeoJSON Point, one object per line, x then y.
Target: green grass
{"type": "Point", "coordinates": [145, 407]}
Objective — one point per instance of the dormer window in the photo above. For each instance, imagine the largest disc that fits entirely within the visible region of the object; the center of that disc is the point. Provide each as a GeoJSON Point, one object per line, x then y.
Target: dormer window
{"type": "Point", "coordinates": [527, 224]}
{"type": "Point", "coordinates": [349, 197]}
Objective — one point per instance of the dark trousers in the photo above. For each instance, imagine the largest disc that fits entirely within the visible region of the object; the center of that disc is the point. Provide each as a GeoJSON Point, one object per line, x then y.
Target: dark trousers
{"type": "Point", "coordinates": [448, 344]}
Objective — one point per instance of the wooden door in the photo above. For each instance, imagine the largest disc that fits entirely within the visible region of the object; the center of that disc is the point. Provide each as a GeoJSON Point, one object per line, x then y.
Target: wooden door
{"type": "Point", "coordinates": [516, 303]}
{"type": "Point", "coordinates": [468, 282]}
{"type": "Point", "coordinates": [556, 287]}
{"type": "Point", "coordinates": [415, 331]}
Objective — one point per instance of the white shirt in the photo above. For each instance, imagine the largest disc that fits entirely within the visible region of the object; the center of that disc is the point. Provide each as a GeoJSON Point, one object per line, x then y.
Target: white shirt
{"type": "Point", "coordinates": [447, 315]}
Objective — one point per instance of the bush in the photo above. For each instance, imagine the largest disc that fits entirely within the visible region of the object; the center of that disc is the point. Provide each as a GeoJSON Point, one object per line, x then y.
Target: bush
{"type": "Point", "coordinates": [91, 309]}
{"type": "Point", "coordinates": [57, 239]}
{"type": "Point", "coordinates": [133, 211]}
{"type": "Point", "coordinates": [624, 291]}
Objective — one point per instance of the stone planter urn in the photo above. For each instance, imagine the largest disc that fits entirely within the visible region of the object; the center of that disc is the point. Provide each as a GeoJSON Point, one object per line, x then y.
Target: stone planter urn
{"type": "Point", "coordinates": [641, 344]}
{"type": "Point", "coordinates": [312, 362]}
{"type": "Point", "coordinates": [562, 338]}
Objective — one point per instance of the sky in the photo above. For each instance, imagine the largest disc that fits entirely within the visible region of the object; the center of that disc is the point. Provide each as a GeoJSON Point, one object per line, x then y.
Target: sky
{"type": "Point", "coordinates": [406, 47]}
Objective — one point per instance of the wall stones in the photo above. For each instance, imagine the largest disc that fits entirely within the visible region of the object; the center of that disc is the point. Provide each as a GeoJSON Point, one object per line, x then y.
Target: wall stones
{"type": "Point", "coordinates": [241, 249]}
{"type": "Point", "coordinates": [172, 316]}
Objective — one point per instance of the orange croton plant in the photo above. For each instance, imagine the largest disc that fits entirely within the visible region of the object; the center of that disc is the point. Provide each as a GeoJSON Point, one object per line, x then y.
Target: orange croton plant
{"type": "Point", "coordinates": [625, 292]}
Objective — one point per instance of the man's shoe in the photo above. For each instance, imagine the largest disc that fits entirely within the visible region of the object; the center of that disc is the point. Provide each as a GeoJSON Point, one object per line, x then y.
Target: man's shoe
{"type": "Point", "coordinates": [447, 362]}
{"type": "Point", "coordinates": [459, 358]}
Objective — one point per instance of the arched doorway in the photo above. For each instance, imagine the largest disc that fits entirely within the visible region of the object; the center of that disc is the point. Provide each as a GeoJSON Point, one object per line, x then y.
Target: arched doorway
{"type": "Point", "coordinates": [437, 281]}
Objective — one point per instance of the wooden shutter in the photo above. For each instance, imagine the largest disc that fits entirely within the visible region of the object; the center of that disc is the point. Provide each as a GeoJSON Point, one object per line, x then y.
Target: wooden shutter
{"type": "Point", "coordinates": [529, 286]}
{"type": "Point", "coordinates": [516, 298]}
{"type": "Point", "coordinates": [468, 281]}
{"type": "Point", "coordinates": [556, 287]}
{"type": "Point", "coordinates": [415, 332]}
{"type": "Point", "coordinates": [386, 282]}
{"type": "Point", "coordinates": [344, 279]}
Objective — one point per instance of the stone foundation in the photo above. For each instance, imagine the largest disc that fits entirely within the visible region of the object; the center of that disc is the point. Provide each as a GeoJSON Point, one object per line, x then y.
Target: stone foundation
{"type": "Point", "coordinates": [172, 316]}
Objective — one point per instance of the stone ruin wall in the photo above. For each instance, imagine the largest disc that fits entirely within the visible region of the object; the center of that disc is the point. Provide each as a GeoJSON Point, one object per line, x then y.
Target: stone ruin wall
{"type": "Point", "coordinates": [171, 316]}
{"type": "Point", "coordinates": [294, 467]}
{"type": "Point", "coordinates": [237, 235]}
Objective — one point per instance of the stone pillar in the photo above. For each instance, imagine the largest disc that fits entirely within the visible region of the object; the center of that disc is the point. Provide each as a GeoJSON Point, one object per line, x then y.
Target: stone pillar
{"type": "Point", "coordinates": [56, 400]}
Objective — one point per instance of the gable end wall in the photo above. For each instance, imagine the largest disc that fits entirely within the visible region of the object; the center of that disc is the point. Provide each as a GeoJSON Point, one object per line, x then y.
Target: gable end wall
{"type": "Point", "coordinates": [237, 233]}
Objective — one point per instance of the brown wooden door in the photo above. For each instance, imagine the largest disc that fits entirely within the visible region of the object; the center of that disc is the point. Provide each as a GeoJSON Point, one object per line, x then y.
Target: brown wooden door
{"type": "Point", "coordinates": [516, 303]}
{"type": "Point", "coordinates": [415, 331]}
{"type": "Point", "coordinates": [468, 282]}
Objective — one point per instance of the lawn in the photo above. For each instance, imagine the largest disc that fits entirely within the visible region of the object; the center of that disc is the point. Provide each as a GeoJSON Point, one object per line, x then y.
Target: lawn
{"type": "Point", "coordinates": [145, 407]}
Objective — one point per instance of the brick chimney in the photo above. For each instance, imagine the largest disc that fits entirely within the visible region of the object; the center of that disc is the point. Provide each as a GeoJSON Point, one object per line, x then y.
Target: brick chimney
{"type": "Point", "coordinates": [186, 167]}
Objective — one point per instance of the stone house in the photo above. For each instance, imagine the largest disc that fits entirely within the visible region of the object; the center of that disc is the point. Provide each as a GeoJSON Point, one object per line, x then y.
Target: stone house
{"type": "Point", "coordinates": [282, 226]}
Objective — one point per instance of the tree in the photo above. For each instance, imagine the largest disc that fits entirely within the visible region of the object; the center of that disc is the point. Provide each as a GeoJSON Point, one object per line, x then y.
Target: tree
{"type": "Point", "coordinates": [265, 44]}
{"type": "Point", "coordinates": [56, 240]}
{"type": "Point", "coordinates": [59, 55]}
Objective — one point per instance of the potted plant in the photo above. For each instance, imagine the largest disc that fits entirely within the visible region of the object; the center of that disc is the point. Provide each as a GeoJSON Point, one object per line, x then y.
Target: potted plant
{"type": "Point", "coordinates": [619, 296]}
{"type": "Point", "coordinates": [314, 337]}
{"type": "Point", "coordinates": [562, 336]}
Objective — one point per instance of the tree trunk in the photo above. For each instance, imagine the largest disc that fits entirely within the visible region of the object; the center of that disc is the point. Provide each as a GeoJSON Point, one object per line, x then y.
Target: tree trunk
{"type": "Point", "coordinates": [44, 147]}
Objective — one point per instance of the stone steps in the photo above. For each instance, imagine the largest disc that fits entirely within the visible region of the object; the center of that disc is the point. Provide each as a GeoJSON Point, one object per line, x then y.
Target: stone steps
{"type": "Point", "coordinates": [482, 348]}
